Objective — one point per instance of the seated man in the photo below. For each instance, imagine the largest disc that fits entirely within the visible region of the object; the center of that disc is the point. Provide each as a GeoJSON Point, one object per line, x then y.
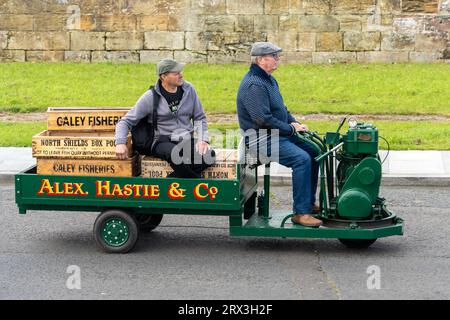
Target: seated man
{"type": "Point", "coordinates": [260, 106]}
{"type": "Point", "coordinates": [179, 115]}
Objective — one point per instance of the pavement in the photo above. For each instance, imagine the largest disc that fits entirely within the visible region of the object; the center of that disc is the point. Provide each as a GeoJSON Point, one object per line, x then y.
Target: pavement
{"type": "Point", "coordinates": [45, 254]}
{"type": "Point", "coordinates": [410, 168]}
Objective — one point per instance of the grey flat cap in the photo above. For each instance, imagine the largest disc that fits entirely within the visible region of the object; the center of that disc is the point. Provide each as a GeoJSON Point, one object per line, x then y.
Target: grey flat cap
{"type": "Point", "coordinates": [168, 65]}
{"type": "Point", "coordinates": [263, 48]}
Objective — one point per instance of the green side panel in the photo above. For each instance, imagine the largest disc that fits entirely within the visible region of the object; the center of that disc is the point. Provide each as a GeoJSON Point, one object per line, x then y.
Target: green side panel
{"type": "Point", "coordinates": [52, 192]}
{"type": "Point", "coordinates": [354, 203]}
{"type": "Point", "coordinates": [360, 190]}
{"type": "Point", "coordinates": [260, 227]}
{"type": "Point", "coordinates": [362, 139]}
{"type": "Point", "coordinates": [235, 221]}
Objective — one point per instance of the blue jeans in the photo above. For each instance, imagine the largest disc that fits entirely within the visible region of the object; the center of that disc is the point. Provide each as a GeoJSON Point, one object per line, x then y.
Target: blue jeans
{"type": "Point", "coordinates": [299, 156]}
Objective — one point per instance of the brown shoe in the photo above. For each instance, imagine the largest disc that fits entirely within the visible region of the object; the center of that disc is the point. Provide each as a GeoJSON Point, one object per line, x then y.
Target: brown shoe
{"type": "Point", "coordinates": [315, 209]}
{"type": "Point", "coordinates": [306, 220]}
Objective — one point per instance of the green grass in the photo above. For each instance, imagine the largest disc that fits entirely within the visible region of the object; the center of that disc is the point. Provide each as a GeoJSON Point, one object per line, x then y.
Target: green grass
{"type": "Point", "coordinates": [401, 135]}
{"type": "Point", "coordinates": [18, 134]}
{"type": "Point", "coordinates": [306, 88]}
{"type": "Point", "coordinates": [342, 88]}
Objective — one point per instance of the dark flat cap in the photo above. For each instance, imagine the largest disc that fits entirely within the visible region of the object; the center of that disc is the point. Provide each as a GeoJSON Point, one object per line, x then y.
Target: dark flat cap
{"type": "Point", "coordinates": [263, 48]}
{"type": "Point", "coordinates": [168, 65]}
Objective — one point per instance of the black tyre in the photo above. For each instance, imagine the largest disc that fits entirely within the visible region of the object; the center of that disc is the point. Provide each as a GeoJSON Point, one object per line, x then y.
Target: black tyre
{"type": "Point", "coordinates": [357, 243]}
{"type": "Point", "coordinates": [116, 231]}
{"type": "Point", "coordinates": [148, 222]}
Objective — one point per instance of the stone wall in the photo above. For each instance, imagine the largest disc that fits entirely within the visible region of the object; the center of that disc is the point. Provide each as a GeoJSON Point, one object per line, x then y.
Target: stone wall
{"type": "Point", "coordinates": [222, 31]}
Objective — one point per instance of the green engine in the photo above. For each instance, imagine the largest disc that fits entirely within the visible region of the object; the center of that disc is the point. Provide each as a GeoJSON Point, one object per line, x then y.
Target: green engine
{"type": "Point", "coordinates": [358, 174]}
{"type": "Point", "coordinates": [350, 179]}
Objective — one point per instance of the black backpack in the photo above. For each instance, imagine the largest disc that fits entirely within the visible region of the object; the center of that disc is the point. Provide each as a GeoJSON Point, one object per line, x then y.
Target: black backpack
{"type": "Point", "coordinates": [143, 133]}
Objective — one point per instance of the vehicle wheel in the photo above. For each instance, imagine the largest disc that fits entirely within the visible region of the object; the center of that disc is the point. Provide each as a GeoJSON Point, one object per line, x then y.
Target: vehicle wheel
{"type": "Point", "coordinates": [357, 243]}
{"type": "Point", "coordinates": [116, 231]}
{"type": "Point", "coordinates": [148, 222]}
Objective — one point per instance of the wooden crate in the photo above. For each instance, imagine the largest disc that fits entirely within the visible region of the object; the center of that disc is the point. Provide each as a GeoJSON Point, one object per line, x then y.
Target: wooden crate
{"type": "Point", "coordinates": [78, 145]}
{"type": "Point", "coordinates": [89, 167]}
{"type": "Point", "coordinates": [226, 155]}
{"type": "Point", "coordinates": [84, 119]}
{"type": "Point", "coordinates": [224, 168]}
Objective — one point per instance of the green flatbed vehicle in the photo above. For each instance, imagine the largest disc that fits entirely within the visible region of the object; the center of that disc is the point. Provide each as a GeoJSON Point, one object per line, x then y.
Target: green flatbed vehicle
{"type": "Point", "coordinates": [351, 209]}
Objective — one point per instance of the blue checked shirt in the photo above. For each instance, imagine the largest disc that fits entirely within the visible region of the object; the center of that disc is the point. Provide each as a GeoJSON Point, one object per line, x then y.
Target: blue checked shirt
{"type": "Point", "coordinates": [260, 104]}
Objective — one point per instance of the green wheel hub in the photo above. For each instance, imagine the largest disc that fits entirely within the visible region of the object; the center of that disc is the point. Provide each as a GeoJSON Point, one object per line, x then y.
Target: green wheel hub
{"type": "Point", "coordinates": [115, 232]}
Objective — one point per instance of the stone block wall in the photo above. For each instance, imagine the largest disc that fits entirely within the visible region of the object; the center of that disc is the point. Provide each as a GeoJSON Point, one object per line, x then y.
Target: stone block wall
{"type": "Point", "coordinates": [222, 31]}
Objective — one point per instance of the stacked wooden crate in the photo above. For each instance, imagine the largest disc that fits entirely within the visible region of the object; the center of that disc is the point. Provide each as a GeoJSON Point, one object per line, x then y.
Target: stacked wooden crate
{"type": "Point", "coordinates": [80, 141]}
{"type": "Point", "coordinates": [223, 168]}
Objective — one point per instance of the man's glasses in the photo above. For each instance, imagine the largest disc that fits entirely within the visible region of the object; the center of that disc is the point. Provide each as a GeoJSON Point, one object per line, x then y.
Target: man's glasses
{"type": "Point", "coordinates": [276, 56]}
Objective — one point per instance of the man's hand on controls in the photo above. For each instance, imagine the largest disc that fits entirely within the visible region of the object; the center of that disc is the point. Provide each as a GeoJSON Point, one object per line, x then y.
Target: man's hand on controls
{"type": "Point", "coordinates": [121, 151]}
{"type": "Point", "coordinates": [299, 127]}
{"type": "Point", "coordinates": [202, 147]}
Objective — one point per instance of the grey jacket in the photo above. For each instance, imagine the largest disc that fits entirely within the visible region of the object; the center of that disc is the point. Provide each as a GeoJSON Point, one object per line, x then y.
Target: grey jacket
{"type": "Point", "coordinates": [190, 117]}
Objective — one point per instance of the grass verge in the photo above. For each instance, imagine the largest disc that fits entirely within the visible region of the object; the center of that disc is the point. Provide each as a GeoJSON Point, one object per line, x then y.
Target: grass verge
{"type": "Point", "coordinates": [400, 134]}
{"type": "Point", "coordinates": [306, 88]}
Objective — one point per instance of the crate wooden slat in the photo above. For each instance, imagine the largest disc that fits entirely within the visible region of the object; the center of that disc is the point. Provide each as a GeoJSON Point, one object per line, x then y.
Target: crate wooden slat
{"type": "Point", "coordinates": [89, 167]}
{"type": "Point", "coordinates": [226, 155]}
{"type": "Point", "coordinates": [214, 172]}
{"type": "Point", "coordinates": [224, 168]}
{"type": "Point", "coordinates": [84, 119]}
{"type": "Point", "coordinates": [78, 145]}
{"type": "Point", "coordinates": [222, 155]}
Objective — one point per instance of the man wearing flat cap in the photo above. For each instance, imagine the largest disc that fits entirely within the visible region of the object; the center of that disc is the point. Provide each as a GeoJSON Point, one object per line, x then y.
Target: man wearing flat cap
{"type": "Point", "coordinates": [261, 106]}
{"type": "Point", "coordinates": [179, 115]}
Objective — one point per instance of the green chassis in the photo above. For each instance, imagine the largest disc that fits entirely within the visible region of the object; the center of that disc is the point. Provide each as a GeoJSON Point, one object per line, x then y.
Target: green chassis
{"type": "Point", "coordinates": [234, 198]}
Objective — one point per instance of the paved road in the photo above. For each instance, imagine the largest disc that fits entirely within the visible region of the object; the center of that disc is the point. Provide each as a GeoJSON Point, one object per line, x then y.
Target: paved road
{"type": "Point", "coordinates": [194, 258]}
